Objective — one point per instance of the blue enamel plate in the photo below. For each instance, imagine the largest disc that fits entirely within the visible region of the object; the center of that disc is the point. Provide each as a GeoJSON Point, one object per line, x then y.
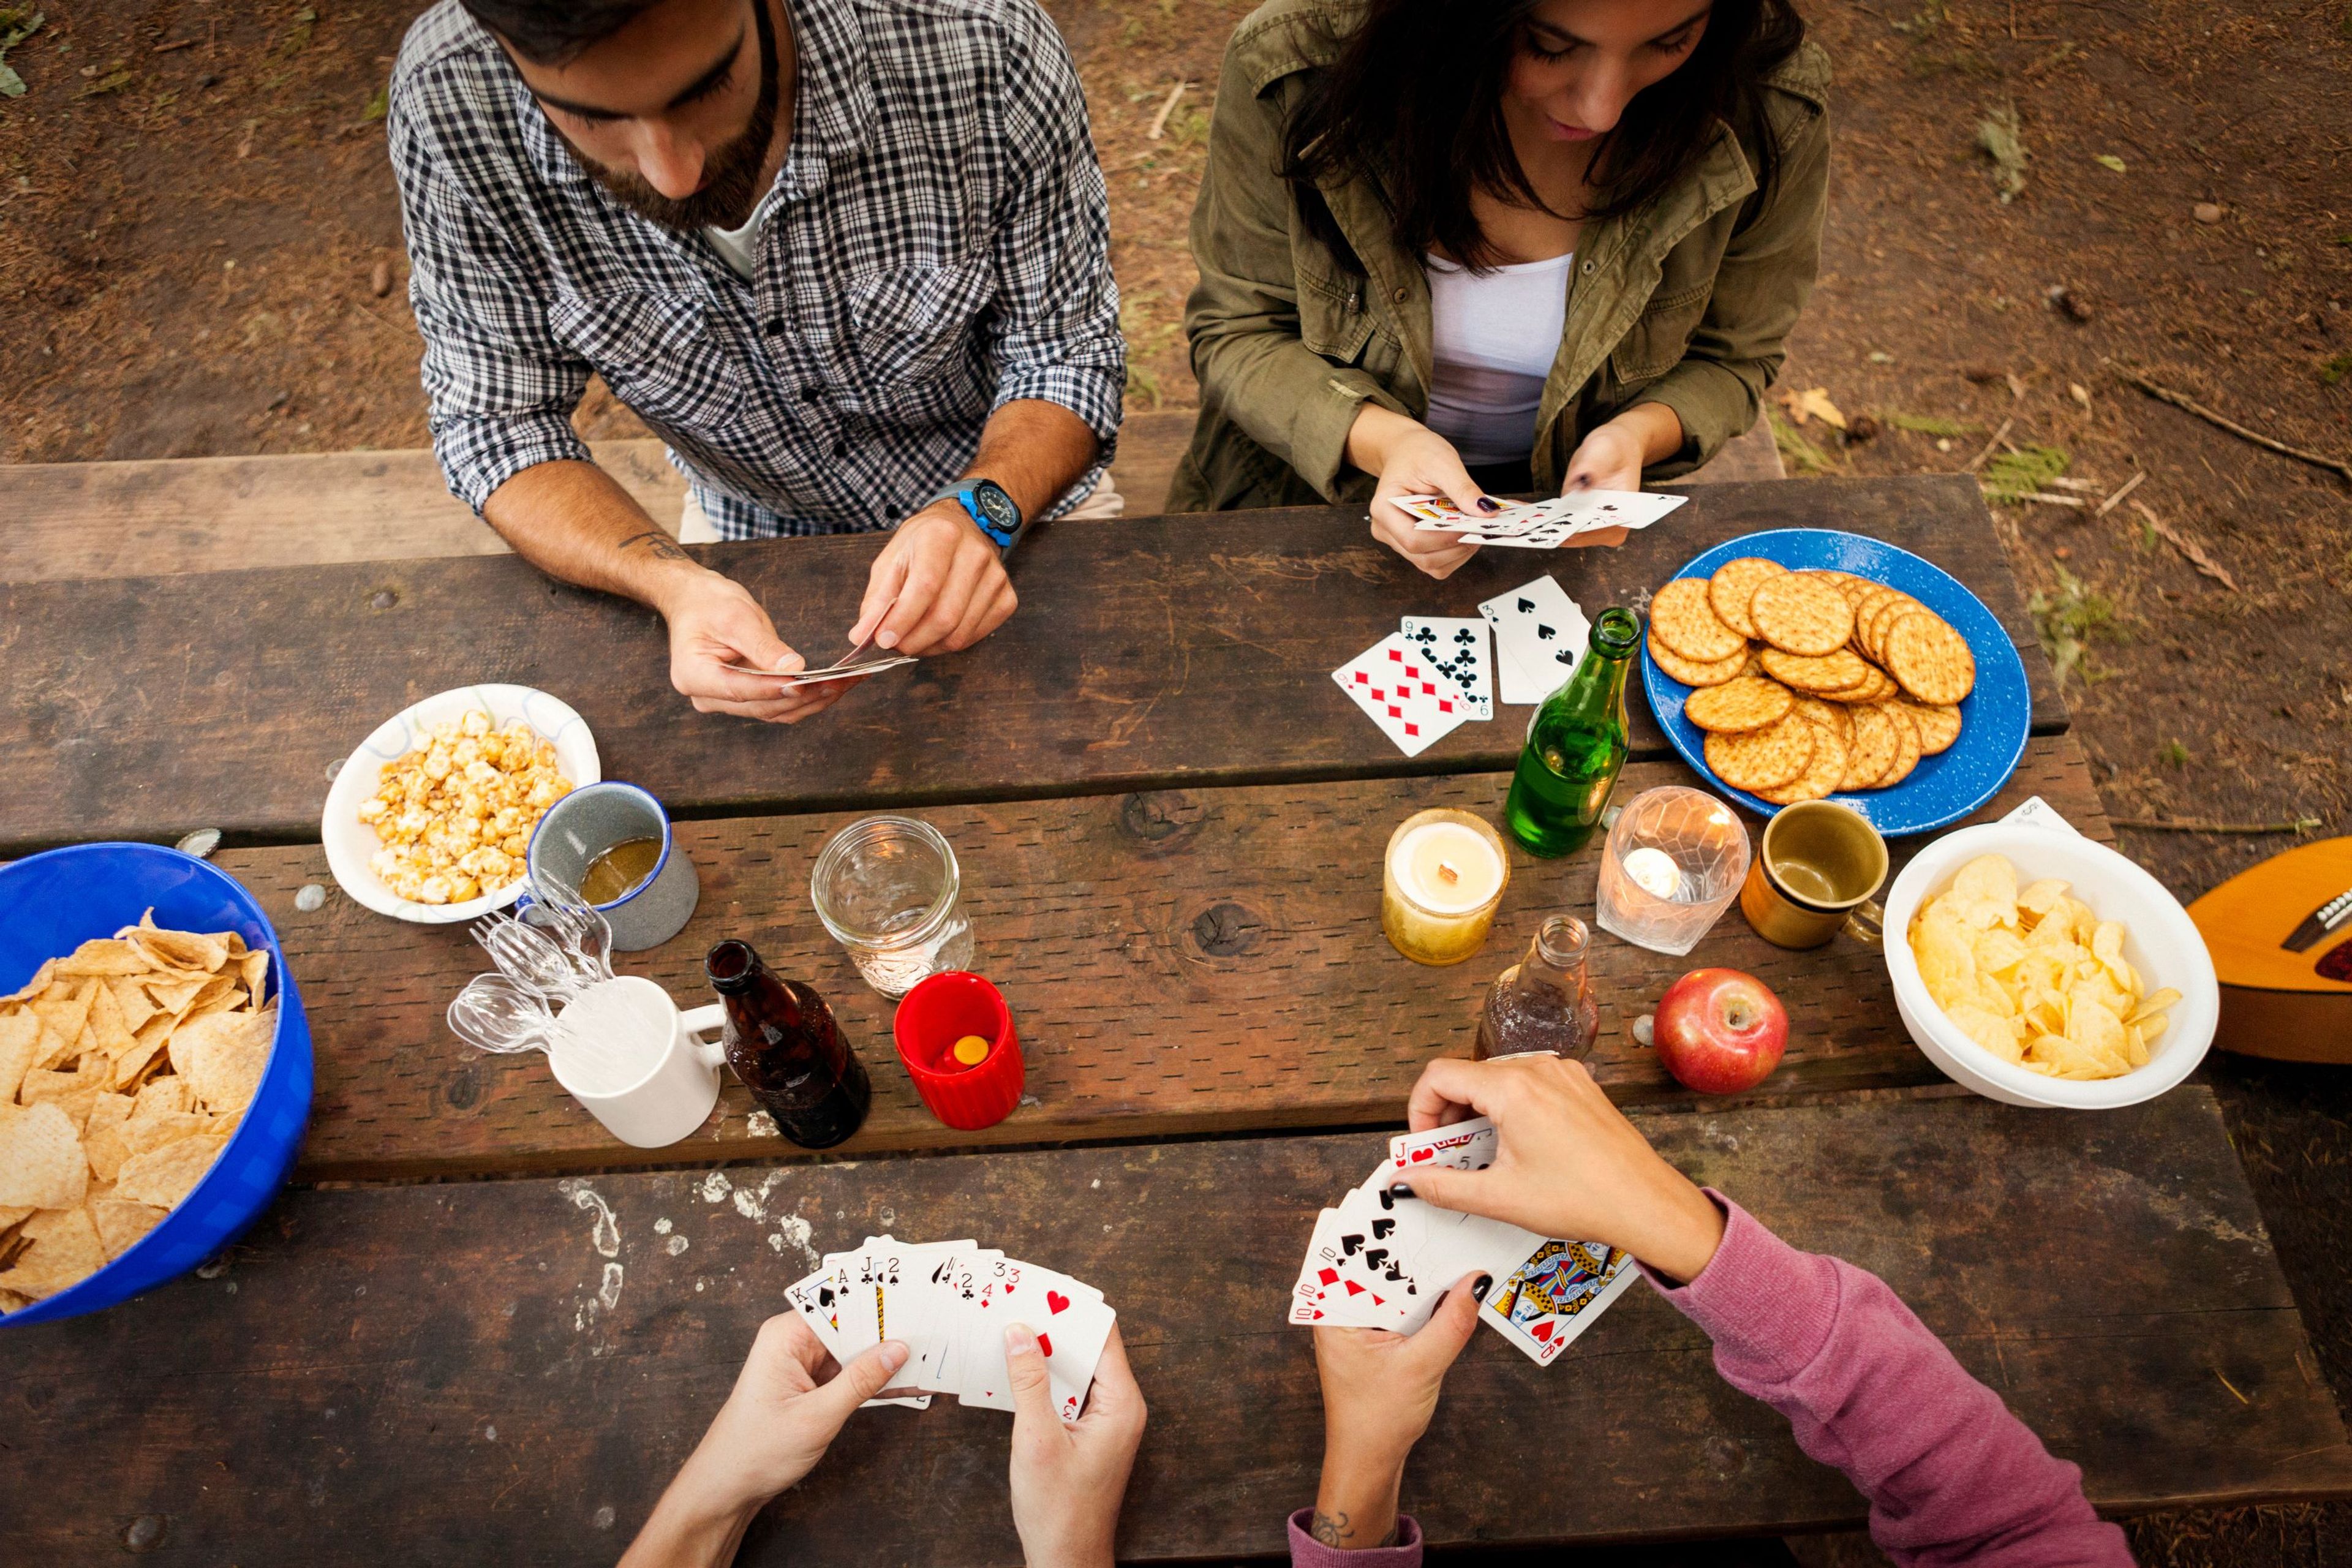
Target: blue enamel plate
{"type": "Point", "coordinates": [1993, 718]}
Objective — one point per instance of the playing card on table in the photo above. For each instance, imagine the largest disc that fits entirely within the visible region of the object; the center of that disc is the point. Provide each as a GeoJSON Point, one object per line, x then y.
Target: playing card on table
{"type": "Point", "coordinates": [1462, 649]}
{"type": "Point", "coordinates": [1540, 627]}
{"type": "Point", "coordinates": [1404, 692]}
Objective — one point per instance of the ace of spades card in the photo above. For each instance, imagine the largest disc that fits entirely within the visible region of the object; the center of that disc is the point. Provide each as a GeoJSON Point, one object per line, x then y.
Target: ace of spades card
{"type": "Point", "coordinates": [1458, 646]}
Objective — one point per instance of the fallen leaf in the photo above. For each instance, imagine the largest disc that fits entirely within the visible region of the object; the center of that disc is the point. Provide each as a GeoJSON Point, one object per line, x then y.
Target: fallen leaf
{"type": "Point", "coordinates": [2109, 161]}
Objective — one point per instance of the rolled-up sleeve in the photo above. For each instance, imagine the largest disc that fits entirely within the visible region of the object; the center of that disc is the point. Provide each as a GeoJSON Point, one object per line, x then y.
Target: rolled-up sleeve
{"type": "Point", "coordinates": [1760, 290]}
{"type": "Point", "coordinates": [1055, 329]}
{"type": "Point", "coordinates": [502, 388]}
{"type": "Point", "coordinates": [1243, 317]}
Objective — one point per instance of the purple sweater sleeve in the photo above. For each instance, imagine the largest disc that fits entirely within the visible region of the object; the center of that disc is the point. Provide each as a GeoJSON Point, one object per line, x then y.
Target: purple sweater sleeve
{"type": "Point", "coordinates": [1951, 1475]}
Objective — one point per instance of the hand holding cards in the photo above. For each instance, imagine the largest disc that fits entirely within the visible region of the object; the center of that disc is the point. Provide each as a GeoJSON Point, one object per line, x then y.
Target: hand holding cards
{"type": "Point", "coordinates": [1539, 525]}
{"type": "Point", "coordinates": [949, 1302]}
{"type": "Point", "coordinates": [1383, 1258]}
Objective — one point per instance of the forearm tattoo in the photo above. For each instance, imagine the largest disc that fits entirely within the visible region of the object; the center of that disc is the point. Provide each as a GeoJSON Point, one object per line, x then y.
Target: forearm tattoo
{"type": "Point", "coordinates": [1331, 1529]}
{"type": "Point", "coordinates": [658, 545]}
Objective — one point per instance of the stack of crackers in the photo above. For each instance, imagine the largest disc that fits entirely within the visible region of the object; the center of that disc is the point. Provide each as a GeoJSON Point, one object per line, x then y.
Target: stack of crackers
{"type": "Point", "coordinates": [1810, 682]}
{"type": "Point", "coordinates": [124, 1067]}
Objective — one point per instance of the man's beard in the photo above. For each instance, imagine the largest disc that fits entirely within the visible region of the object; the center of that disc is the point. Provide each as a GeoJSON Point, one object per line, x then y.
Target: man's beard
{"type": "Point", "coordinates": [732, 191]}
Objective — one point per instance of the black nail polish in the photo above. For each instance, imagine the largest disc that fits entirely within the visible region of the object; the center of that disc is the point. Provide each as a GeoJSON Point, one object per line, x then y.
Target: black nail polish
{"type": "Point", "coordinates": [1402, 1190]}
{"type": "Point", "coordinates": [1485, 1283]}
{"type": "Point", "coordinates": [1488, 503]}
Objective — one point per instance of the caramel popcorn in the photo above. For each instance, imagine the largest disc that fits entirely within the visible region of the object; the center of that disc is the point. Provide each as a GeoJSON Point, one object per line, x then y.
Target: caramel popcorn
{"type": "Point", "coordinates": [455, 815]}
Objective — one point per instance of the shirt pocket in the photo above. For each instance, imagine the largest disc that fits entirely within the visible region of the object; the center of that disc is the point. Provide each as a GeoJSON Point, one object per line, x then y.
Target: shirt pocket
{"type": "Point", "coordinates": [1657, 340]}
{"type": "Point", "coordinates": [1332, 320]}
{"type": "Point", "coordinates": [911, 322]}
{"type": "Point", "coordinates": [657, 353]}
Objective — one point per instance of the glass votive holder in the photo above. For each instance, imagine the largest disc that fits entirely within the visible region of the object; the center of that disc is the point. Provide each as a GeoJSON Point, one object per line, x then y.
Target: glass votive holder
{"type": "Point", "coordinates": [1674, 862]}
{"type": "Point", "coordinates": [888, 891]}
{"type": "Point", "coordinates": [1441, 878]}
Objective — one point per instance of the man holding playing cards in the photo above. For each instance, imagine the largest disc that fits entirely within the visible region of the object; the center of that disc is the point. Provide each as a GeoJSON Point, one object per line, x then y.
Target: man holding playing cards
{"type": "Point", "coordinates": [851, 262]}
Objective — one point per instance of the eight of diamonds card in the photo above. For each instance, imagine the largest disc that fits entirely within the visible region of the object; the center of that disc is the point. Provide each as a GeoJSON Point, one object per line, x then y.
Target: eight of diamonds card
{"type": "Point", "coordinates": [1400, 690]}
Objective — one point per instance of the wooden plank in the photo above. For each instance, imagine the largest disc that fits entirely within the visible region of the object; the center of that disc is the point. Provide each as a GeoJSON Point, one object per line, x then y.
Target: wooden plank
{"type": "Point", "coordinates": [1179, 962]}
{"type": "Point", "coordinates": [367, 1348]}
{"type": "Point", "coordinates": [1752, 456]}
{"type": "Point", "coordinates": [1151, 653]}
{"type": "Point", "coordinates": [221, 514]}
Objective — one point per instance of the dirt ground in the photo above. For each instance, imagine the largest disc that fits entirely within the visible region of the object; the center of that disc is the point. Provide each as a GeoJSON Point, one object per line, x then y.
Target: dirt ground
{"type": "Point", "coordinates": [200, 253]}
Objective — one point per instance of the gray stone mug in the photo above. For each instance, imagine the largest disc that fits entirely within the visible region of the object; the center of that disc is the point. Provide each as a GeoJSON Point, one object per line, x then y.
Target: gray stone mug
{"type": "Point", "coordinates": [590, 820]}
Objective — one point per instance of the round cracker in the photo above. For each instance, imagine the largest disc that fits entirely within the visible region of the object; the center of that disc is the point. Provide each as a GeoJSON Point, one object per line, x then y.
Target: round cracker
{"type": "Point", "coordinates": [1685, 622]}
{"type": "Point", "coordinates": [1690, 671]}
{"type": "Point", "coordinates": [1750, 702]}
{"type": "Point", "coordinates": [1872, 750]}
{"type": "Point", "coordinates": [1906, 740]}
{"type": "Point", "coordinates": [1822, 774]}
{"type": "Point", "coordinates": [1851, 587]}
{"type": "Point", "coordinates": [1933, 662]}
{"type": "Point", "coordinates": [1801, 612]}
{"type": "Point", "coordinates": [1763, 759]}
{"type": "Point", "coordinates": [1876, 688]}
{"type": "Point", "coordinates": [1938, 726]}
{"type": "Point", "coordinates": [1840, 671]}
{"type": "Point", "coordinates": [1733, 584]}
{"type": "Point", "coordinates": [1873, 638]}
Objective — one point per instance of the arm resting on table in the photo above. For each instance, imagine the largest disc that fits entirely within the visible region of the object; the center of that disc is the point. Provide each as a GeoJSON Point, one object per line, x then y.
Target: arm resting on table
{"type": "Point", "coordinates": [1951, 1475]}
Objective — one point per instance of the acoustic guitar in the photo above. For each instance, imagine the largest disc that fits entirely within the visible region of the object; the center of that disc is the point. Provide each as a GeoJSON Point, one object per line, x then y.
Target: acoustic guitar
{"type": "Point", "coordinates": [2281, 936]}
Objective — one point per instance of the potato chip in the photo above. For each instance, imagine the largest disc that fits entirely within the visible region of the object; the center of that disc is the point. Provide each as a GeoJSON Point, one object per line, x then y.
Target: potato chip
{"type": "Point", "coordinates": [41, 1161]}
{"type": "Point", "coordinates": [1999, 950]}
{"type": "Point", "coordinates": [2037, 898]}
{"type": "Point", "coordinates": [2154, 1002]}
{"type": "Point", "coordinates": [1987, 889]}
{"type": "Point", "coordinates": [1995, 1034]}
{"type": "Point", "coordinates": [2151, 1025]}
{"type": "Point", "coordinates": [165, 1174]}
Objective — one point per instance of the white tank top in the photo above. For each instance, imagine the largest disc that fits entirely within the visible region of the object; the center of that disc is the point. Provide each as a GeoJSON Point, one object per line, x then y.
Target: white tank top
{"type": "Point", "coordinates": [1493, 338]}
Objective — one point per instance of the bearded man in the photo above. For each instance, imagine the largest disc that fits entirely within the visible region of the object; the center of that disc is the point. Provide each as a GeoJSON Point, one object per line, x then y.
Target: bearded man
{"type": "Point", "coordinates": [849, 258]}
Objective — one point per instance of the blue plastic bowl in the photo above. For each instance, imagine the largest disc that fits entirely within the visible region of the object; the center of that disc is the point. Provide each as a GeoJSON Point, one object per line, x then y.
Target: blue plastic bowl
{"type": "Point", "coordinates": [50, 904]}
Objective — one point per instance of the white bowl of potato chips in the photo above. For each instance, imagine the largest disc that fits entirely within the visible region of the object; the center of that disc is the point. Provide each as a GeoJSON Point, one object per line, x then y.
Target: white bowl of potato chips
{"type": "Point", "coordinates": [429, 820]}
{"type": "Point", "coordinates": [2040, 968]}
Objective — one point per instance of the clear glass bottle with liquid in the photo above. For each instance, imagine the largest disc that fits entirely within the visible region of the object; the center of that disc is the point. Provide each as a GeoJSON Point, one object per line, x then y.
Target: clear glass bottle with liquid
{"type": "Point", "coordinates": [1544, 1002]}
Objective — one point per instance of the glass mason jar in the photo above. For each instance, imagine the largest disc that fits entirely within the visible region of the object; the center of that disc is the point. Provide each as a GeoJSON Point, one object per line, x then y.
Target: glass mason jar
{"type": "Point", "coordinates": [1544, 1002]}
{"type": "Point", "coordinates": [888, 891]}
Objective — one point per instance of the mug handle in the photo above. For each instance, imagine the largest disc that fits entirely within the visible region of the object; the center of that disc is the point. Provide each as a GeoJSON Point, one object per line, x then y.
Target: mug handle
{"type": "Point", "coordinates": [1867, 924]}
{"type": "Point", "coordinates": [710, 1016]}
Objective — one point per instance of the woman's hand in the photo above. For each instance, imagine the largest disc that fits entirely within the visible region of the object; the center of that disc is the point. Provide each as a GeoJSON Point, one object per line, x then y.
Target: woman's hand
{"type": "Point", "coordinates": [1567, 1162]}
{"type": "Point", "coordinates": [1380, 1389]}
{"type": "Point", "coordinates": [783, 1413]}
{"type": "Point", "coordinates": [1068, 1478]}
{"type": "Point", "coordinates": [1612, 456]}
{"type": "Point", "coordinates": [1411, 459]}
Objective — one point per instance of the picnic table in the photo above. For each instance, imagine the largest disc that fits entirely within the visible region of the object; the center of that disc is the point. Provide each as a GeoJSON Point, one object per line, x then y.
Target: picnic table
{"type": "Point", "coordinates": [469, 1330]}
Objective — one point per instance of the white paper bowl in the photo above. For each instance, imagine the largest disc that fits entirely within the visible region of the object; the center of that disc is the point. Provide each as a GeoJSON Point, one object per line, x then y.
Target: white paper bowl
{"type": "Point", "coordinates": [2160, 942]}
{"type": "Point", "coordinates": [351, 843]}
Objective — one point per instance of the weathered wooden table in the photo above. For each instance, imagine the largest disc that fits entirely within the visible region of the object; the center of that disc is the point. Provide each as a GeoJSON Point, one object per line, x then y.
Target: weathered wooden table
{"type": "Point", "coordinates": [1170, 824]}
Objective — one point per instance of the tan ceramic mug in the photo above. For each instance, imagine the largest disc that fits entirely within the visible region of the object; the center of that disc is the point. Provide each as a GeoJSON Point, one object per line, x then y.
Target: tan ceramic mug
{"type": "Point", "coordinates": [1818, 872]}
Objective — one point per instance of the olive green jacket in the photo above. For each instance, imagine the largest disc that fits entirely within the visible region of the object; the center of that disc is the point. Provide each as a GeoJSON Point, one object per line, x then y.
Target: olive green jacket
{"type": "Point", "coordinates": [1685, 301]}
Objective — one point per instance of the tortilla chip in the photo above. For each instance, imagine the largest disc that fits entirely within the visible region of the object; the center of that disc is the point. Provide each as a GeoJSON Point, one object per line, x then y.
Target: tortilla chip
{"type": "Point", "coordinates": [145, 1046]}
{"type": "Point", "coordinates": [41, 1161]}
{"type": "Point", "coordinates": [65, 1251]}
{"type": "Point", "coordinates": [120, 1223]}
{"type": "Point", "coordinates": [222, 1054]}
{"type": "Point", "coordinates": [165, 1174]}
{"type": "Point", "coordinates": [181, 948]}
{"type": "Point", "coordinates": [172, 995]}
{"type": "Point", "coordinates": [10, 1218]}
{"type": "Point", "coordinates": [162, 1097]}
{"type": "Point", "coordinates": [107, 1023]}
{"type": "Point", "coordinates": [131, 1000]}
{"type": "Point", "coordinates": [68, 1013]}
{"type": "Point", "coordinates": [220, 994]}
{"type": "Point", "coordinates": [257, 975]}
{"type": "Point", "coordinates": [20, 1039]}
{"type": "Point", "coordinates": [35, 986]}
{"type": "Point", "coordinates": [144, 1135]}
{"type": "Point", "coordinates": [102, 1141]}
{"type": "Point", "coordinates": [71, 1092]}
{"type": "Point", "coordinates": [102, 955]}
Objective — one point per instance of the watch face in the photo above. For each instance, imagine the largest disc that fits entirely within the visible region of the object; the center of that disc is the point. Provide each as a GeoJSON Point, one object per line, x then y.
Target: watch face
{"type": "Point", "coordinates": [1002, 515]}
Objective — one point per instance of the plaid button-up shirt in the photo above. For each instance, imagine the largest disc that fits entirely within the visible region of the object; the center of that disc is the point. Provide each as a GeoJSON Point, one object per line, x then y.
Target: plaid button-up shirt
{"type": "Point", "coordinates": [939, 244]}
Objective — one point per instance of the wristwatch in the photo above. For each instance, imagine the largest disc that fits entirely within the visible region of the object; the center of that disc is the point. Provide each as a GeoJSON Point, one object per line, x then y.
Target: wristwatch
{"type": "Point", "coordinates": [989, 507]}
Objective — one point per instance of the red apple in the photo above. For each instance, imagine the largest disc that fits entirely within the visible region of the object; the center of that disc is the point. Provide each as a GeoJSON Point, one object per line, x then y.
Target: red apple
{"type": "Point", "coordinates": [1720, 1031]}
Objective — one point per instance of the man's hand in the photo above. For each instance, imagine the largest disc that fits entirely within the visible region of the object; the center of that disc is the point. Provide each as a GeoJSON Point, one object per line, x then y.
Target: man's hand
{"type": "Point", "coordinates": [1380, 1389]}
{"type": "Point", "coordinates": [777, 1423]}
{"type": "Point", "coordinates": [714, 622]}
{"type": "Point", "coordinates": [1567, 1162]}
{"type": "Point", "coordinates": [938, 586]}
{"type": "Point", "coordinates": [1068, 1478]}
{"type": "Point", "coordinates": [1411, 459]}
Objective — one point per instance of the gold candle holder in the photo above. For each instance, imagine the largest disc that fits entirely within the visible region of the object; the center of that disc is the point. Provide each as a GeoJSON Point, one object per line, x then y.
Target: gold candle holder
{"type": "Point", "coordinates": [1441, 878]}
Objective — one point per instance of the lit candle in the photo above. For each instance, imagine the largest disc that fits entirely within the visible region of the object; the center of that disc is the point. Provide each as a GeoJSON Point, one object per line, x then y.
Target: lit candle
{"type": "Point", "coordinates": [1445, 873]}
{"type": "Point", "coordinates": [1654, 871]}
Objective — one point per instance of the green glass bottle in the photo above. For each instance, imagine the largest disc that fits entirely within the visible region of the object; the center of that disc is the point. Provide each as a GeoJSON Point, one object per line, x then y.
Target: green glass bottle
{"type": "Point", "coordinates": [1576, 744]}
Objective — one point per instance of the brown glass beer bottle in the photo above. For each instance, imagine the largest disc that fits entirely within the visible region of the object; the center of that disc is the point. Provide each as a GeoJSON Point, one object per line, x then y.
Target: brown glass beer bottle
{"type": "Point", "coordinates": [784, 1044]}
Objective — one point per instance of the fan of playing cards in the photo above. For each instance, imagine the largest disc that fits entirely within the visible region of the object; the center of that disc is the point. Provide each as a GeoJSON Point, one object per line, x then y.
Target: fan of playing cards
{"type": "Point", "coordinates": [1539, 525]}
{"type": "Point", "coordinates": [1382, 1259]}
{"type": "Point", "coordinates": [949, 1302]}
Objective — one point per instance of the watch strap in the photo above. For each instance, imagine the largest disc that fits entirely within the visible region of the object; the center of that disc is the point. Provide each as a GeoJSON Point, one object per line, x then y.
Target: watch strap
{"type": "Point", "coordinates": [962, 491]}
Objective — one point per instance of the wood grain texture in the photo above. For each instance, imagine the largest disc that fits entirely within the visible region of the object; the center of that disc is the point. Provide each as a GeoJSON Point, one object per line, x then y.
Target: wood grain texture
{"type": "Point", "coordinates": [1178, 963]}
{"type": "Point", "coordinates": [436, 1370]}
{"type": "Point", "coordinates": [221, 514]}
{"type": "Point", "coordinates": [1151, 653]}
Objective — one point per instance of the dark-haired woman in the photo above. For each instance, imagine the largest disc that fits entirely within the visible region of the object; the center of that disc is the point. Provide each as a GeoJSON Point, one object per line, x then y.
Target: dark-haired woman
{"type": "Point", "coordinates": [1471, 246]}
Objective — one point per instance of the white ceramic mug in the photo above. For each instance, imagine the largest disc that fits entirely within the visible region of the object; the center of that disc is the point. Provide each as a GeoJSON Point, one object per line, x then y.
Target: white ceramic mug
{"type": "Point", "coordinates": [640, 1066]}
